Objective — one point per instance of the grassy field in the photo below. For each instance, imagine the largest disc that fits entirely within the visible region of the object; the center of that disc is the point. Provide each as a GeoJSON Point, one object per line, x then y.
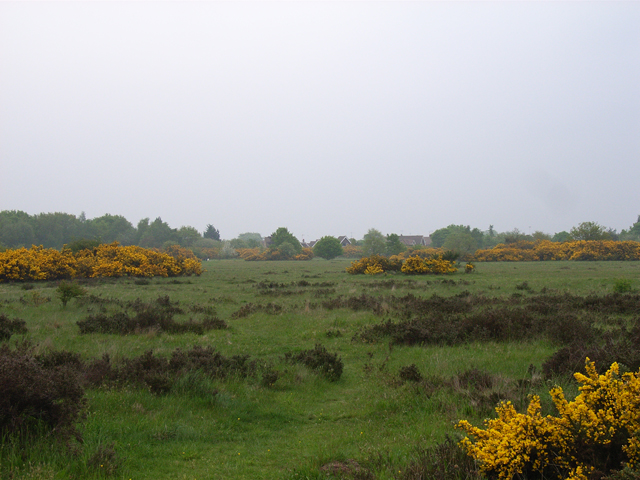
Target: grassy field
{"type": "Point", "coordinates": [286, 420]}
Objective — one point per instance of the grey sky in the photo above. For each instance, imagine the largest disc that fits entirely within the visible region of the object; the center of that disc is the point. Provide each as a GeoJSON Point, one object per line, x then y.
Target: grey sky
{"type": "Point", "coordinates": [328, 118]}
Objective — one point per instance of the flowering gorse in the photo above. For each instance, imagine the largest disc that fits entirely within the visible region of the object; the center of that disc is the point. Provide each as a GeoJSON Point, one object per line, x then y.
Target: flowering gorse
{"type": "Point", "coordinates": [413, 265]}
{"type": "Point", "coordinates": [546, 250]}
{"type": "Point", "coordinates": [374, 269]}
{"type": "Point", "coordinates": [106, 260]}
{"type": "Point", "coordinates": [418, 265]}
{"type": "Point", "coordinates": [598, 431]}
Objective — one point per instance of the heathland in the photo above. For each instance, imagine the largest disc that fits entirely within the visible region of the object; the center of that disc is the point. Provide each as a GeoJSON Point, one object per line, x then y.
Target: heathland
{"type": "Point", "coordinates": [290, 369]}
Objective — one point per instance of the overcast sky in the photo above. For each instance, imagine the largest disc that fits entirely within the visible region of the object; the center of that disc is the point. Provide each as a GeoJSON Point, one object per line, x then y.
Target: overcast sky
{"type": "Point", "coordinates": [328, 118]}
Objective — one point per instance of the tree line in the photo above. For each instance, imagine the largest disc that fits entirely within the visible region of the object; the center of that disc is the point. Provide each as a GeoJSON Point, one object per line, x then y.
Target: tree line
{"type": "Point", "coordinates": [54, 230]}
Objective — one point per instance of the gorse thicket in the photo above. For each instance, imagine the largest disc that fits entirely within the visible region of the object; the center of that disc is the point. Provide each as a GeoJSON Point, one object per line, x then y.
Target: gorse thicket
{"type": "Point", "coordinates": [417, 265]}
{"type": "Point", "coordinates": [595, 434]}
{"type": "Point", "coordinates": [107, 260]}
{"type": "Point", "coordinates": [528, 251]}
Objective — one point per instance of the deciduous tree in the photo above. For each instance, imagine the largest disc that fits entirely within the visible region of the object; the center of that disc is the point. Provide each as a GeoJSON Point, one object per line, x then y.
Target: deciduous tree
{"type": "Point", "coordinates": [394, 245]}
{"type": "Point", "coordinates": [327, 248]}
{"type": "Point", "coordinates": [590, 231]}
{"type": "Point", "coordinates": [282, 235]}
{"type": "Point", "coordinates": [374, 243]}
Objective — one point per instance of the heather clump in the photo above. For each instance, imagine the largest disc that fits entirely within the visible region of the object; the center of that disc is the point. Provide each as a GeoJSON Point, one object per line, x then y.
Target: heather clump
{"type": "Point", "coordinates": [10, 327]}
{"type": "Point", "coordinates": [38, 395]}
{"type": "Point", "coordinates": [146, 316]}
{"type": "Point", "coordinates": [319, 359]}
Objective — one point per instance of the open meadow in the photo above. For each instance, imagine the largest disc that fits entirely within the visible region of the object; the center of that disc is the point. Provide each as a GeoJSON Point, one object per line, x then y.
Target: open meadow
{"type": "Point", "coordinates": [306, 371]}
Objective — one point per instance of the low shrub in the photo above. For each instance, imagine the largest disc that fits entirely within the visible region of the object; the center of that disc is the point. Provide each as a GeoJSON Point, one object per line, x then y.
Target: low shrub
{"type": "Point", "coordinates": [9, 327]}
{"type": "Point", "coordinates": [36, 396]}
{"type": "Point", "coordinates": [445, 461]}
{"type": "Point", "coordinates": [622, 285]}
{"type": "Point", "coordinates": [147, 316]}
{"type": "Point", "coordinates": [160, 374]}
{"type": "Point", "coordinates": [68, 291]}
{"type": "Point", "coordinates": [319, 359]}
{"type": "Point", "coordinates": [251, 308]}
{"type": "Point", "coordinates": [410, 373]}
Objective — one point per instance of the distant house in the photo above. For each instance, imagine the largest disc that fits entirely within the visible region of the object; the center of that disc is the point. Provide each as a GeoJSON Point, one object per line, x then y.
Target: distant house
{"type": "Point", "coordinates": [266, 241]}
{"type": "Point", "coordinates": [413, 240]}
{"type": "Point", "coordinates": [344, 241]}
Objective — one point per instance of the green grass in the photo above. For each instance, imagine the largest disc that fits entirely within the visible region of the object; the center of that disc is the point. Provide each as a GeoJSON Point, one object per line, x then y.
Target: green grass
{"type": "Point", "coordinates": [249, 431]}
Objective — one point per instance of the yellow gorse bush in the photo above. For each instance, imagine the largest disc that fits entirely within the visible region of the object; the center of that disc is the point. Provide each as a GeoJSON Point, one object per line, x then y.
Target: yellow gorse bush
{"type": "Point", "coordinates": [599, 430]}
{"type": "Point", "coordinates": [107, 260]}
{"type": "Point", "coordinates": [412, 265]}
{"type": "Point", "coordinates": [377, 262]}
{"type": "Point", "coordinates": [547, 250]}
{"type": "Point", "coordinates": [437, 265]}
{"type": "Point", "coordinates": [374, 269]}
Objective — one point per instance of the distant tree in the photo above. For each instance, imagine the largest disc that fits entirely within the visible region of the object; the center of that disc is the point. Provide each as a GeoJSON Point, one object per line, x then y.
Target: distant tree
{"type": "Point", "coordinates": [589, 231]}
{"type": "Point", "coordinates": [439, 236]}
{"type": "Point", "coordinates": [282, 235]}
{"type": "Point", "coordinates": [251, 240]}
{"type": "Point", "coordinates": [393, 245]}
{"type": "Point", "coordinates": [478, 236]}
{"type": "Point", "coordinates": [514, 236]}
{"type": "Point", "coordinates": [461, 241]}
{"type": "Point", "coordinates": [227, 251]}
{"type": "Point", "coordinates": [142, 227]}
{"type": "Point", "coordinates": [158, 234]}
{"type": "Point", "coordinates": [327, 248]}
{"type": "Point", "coordinates": [491, 232]}
{"type": "Point", "coordinates": [18, 233]}
{"type": "Point", "coordinates": [237, 243]}
{"type": "Point", "coordinates": [374, 243]}
{"type": "Point", "coordinates": [110, 228]}
{"type": "Point", "coordinates": [287, 250]}
{"type": "Point", "coordinates": [562, 236]}
{"type": "Point", "coordinates": [539, 235]}
{"type": "Point", "coordinates": [211, 233]}
{"type": "Point", "coordinates": [633, 233]}
{"type": "Point", "coordinates": [53, 230]}
{"type": "Point", "coordinates": [83, 244]}
{"type": "Point", "coordinates": [188, 236]}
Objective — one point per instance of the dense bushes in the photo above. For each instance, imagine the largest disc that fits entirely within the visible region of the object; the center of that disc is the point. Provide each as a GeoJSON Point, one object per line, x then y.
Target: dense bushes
{"type": "Point", "coordinates": [374, 263]}
{"type": "Point", "coordinates": [591, 436]}
{"type": "Point", "coordinates": [412, 265]}
{"type": "Point", "coordinates": [160, 374]}
{"type": "Point", "coordinates": [320, 360]}
{"type": "Point", "coordinates": [546, 250]}
{"type": "Point", "coordinates": [106, 260]}
{"type": "Point", "coordinates": [8, 327]}
{"type": "Point", "coordinates": [36, 395]}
